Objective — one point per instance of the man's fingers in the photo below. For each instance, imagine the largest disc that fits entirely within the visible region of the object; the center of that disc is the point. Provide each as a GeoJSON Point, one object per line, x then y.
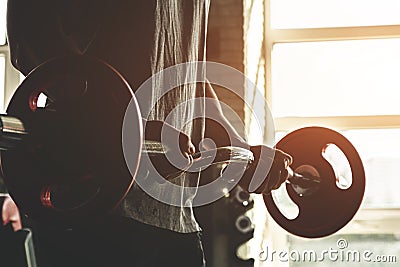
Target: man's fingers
{"type": "Point", "coordinates": [278, 173]}
{"type": "Point", "coordinates": [192, 148]}
{"type": "Point", "coordinates": [186, 145]}
{"type": "Point", "coordinates": [10, 214]}
{"type": "Point", "coordinates": [270, 181]}
{"type": "Point", "coordinates": [282, 177]}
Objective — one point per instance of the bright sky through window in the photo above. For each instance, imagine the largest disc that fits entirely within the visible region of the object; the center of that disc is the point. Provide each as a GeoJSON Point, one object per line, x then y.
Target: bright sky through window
{"type": "Point", "coordinates": [2, 83]}
{"type": "Point", "coordinates": [333, 13]}
{"type": "Point", "coordinates": [340, 78]}
{"type": "Point", "coordinates": [3, 8]}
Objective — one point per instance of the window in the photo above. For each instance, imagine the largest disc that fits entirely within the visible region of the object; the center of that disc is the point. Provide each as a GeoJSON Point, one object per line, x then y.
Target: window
{"type": "Point", "coordinates": [3, 8]}
{"type": "Point", "coordinates": [292, 14]}
{"type": "Point", "coordinates": [9, 77]}
{"type": "Point", "coordinates": [335, 63]}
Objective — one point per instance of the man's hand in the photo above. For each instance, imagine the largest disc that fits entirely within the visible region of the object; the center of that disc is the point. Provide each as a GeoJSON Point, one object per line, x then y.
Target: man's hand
{"type": "Point", "coordinates": [171, 137]}
{"type": "Point", "coordinates": [10, 214]}
{"type": "Point", "coordinates": [179, 148]}
{"type": "Point", "coordinates": [268, 171]}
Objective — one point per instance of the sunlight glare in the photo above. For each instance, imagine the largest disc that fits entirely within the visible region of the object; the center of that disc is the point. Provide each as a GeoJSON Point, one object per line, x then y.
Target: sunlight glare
{"type": "Point", "coordinates": [292, 14]}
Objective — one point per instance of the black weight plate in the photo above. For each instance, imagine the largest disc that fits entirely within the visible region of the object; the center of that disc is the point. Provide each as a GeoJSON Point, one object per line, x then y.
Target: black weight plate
{"type": "Point", "coordinates": [329, 208]}
{"type": "Point", "coordinates": [73, 153]}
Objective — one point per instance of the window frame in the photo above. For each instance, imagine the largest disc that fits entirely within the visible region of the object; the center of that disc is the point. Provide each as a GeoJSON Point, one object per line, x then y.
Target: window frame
{"type": "Point", "coordinates": [367, 220]}
{"type": "Point", "coordinates": [11, 76]}
{"type": "Point", "coordinates": [276, 36]}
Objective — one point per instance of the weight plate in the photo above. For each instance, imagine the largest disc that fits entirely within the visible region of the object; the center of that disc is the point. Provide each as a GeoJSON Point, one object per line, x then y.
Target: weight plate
{"type": "Point", "coordinates": [329, 208]}
{"type": "Point", "coordinates": [71, 165]}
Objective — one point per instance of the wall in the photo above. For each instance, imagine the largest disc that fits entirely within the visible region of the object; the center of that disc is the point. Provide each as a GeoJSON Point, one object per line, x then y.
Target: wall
{"type": "Point", "coordinates": [225, 45]}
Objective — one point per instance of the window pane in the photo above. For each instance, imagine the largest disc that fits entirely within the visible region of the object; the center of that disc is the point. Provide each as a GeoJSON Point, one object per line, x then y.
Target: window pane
{"type": "Point", "coordinates": [3, 7]}
{"type": "Point", "coordinates": [336, 78]}
{"type": "Point", "coordinates": [2, 82]}
{"type": "Point", "coordinates": [2, 74]}
{"type": "Point", "coordinates": [379, 150]}
{"type": "Point", "coordinates": [333, 13]}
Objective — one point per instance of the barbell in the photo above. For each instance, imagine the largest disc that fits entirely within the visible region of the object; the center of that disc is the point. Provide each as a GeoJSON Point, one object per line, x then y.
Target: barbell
{"type": "Point", "coordinates": [62, 158]}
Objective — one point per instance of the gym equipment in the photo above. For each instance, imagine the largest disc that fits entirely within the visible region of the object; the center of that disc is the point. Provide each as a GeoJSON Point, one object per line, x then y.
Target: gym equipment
{"type": "Point", "coordinates": [71, 163]}
{"type": "Point", "coordinates": [217, 158]}
{"type": "Point", "coordinates": [61, 142]}
{"type": "Point", "coordinates": [324, 207]}
{"type": "Point", "coordinates": [62, 157]}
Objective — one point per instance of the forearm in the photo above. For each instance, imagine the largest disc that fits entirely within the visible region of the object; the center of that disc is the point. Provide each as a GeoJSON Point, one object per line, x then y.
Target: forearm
{"type": "Point", "coordinates": [218, 128]}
